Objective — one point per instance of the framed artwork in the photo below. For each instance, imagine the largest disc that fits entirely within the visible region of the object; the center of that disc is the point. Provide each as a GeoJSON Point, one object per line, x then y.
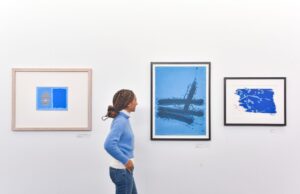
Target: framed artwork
{"type": "Point", "coordinates": [51, 99]}
{"type": "Point", "coordinates": [257, 101]}
{"type": "Point", "coordinates": [180, 101]}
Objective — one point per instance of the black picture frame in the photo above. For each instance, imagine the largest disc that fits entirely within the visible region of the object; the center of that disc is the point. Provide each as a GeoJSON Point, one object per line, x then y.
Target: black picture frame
{"type": "Point", "coordinates": [259, 101]}
{"type": "Point", "coordinates": [173, 112]}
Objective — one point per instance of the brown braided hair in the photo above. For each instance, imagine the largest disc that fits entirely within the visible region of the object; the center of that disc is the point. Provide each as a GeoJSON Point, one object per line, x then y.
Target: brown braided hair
{"type": "Point", "coordinates": [121, 100]}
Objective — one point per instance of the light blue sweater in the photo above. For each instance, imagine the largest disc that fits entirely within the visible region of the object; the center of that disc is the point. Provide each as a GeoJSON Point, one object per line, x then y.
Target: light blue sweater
{"type": "Point", "coordinates": [120, 140]}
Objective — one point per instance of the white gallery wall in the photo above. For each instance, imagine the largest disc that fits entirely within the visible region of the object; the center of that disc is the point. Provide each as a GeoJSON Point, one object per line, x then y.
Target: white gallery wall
{"type": "Point", "coordinates": [118, 40]}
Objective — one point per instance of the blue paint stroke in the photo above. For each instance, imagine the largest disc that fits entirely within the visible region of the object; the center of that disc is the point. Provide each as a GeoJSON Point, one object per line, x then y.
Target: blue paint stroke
{"type": "Point", "coordinates": [184, 114]}
{"type": "Point", "coordinates": [257, 100]}
{"type": "Point", "coordinates": [52, 98]}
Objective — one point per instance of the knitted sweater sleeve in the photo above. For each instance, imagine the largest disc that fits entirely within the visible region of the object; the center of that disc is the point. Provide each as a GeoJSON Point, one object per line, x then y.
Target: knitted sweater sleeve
{"type": "Point", "coordinates": [111, 142]}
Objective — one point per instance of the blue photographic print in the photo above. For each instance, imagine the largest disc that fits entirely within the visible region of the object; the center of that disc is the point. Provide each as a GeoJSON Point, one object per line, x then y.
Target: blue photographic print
{"type": "Point", "coordinates": [52, 98]}
{"type": "Point", "coordinates": [181, 101]}
{"type": "Point", "coordinates": [257, 100]}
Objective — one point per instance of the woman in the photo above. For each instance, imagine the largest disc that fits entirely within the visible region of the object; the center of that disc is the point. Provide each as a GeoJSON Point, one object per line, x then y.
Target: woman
{"type": "Point", "coordinates": [120, 142]}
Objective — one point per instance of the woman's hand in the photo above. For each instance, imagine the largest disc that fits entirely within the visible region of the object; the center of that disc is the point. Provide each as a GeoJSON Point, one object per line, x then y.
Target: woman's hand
{"type": "Point", "coordinates": [129, 165]}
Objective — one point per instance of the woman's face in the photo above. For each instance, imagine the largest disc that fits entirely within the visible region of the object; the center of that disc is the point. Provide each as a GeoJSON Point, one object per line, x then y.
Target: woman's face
{"type": "Point", "coordinates": [131, 106]}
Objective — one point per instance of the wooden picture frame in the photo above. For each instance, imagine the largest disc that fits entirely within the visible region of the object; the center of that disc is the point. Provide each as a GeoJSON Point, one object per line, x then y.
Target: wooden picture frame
{"type": "Point", "coordinates": [51, 99]}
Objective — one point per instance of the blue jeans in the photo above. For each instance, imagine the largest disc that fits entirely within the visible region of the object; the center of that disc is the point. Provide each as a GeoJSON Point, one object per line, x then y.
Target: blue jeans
{"type": "Point", "coordinates": [124, 181]}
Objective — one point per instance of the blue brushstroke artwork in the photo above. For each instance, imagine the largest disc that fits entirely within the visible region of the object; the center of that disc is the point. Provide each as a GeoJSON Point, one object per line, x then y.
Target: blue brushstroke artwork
{"type": "Point", "coordinates": [52, 98]}
{"type": "Point", "coordinates": [180, 100]}
{"type": "Point", "coordinates": [257, 100]}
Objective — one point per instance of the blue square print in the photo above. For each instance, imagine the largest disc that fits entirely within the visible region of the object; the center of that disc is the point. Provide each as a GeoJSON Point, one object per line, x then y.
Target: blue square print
{"type": "Point", "coordinates": [44, 98]}
{"type": "Point", "coordinates": [52, 98]}
{"type": "Point", "coordinates": [60, 98]}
